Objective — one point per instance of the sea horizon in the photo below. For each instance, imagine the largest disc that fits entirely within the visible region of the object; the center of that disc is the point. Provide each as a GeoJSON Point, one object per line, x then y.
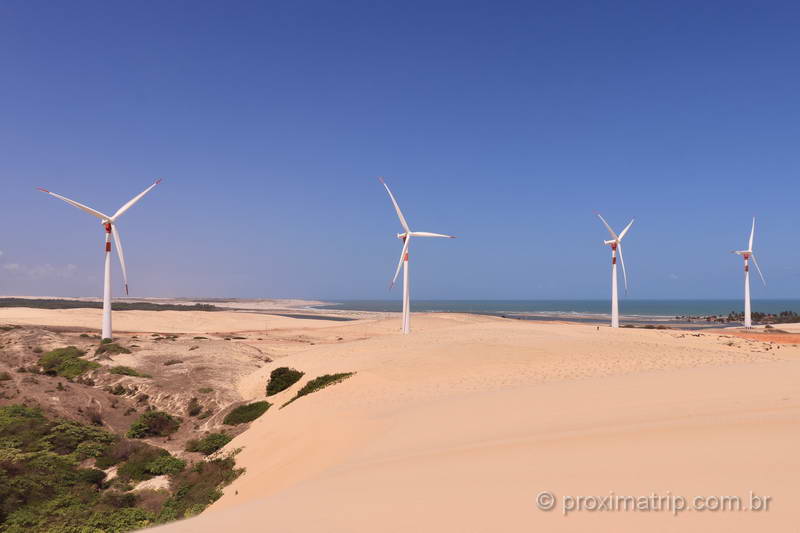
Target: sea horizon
{"type": "Point", "coordinates": [665, 311]}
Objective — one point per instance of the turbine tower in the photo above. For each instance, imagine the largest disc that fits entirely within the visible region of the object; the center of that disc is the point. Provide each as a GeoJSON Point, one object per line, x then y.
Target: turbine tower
{"type": "Point", "coordinates": [110, 226]}
{"type": "Point", "coordinates": [747, 255]}
{"type": "Point", "coordinates": [616, 244]}
{"type": "Point", "coordinates": [406, 238]}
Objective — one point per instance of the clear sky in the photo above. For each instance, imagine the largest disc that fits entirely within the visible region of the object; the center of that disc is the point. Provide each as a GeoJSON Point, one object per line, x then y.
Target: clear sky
{"type": "Point", "coordinates": [507, 124]}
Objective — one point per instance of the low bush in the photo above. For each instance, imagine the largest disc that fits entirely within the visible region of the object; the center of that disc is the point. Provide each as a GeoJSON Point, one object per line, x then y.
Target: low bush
{"type": "Point", "coordinates": [208, 444]}
{"type": "Point", "coordinates": [5, 376]}
{"type": "Point", "coordinates": [198, 487]}
{"type": "Point", "coordinates": [111, 348]}
{"type": "Point", "coordinates": [281, 379]}
{"type": "Point", "coordinates": [246, 413]}
{"type": "Point", "coordinates": [128, 371]}
{"type": "Point", "coordinates": [319, 383]}
{"type": "Point", "coordinates": [170, 362]}
{"type": "Point", "coordinates": [65, 362]}
{"type": "Point", "coordinates": [194, 408]}
{"type": "Point", "coordinates": [154, 424]}
{"type": "Point", "coordinates": [205, 390]}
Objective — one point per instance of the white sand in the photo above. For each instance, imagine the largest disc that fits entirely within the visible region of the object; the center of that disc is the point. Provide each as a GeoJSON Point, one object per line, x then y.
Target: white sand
{"type": "Point", "coordinates": [460, 425]}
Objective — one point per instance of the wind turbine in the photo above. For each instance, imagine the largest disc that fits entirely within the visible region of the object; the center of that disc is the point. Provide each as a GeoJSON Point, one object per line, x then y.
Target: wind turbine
{"type": "Point", "coordinates": [746, 255]}
{"type": "Point", "coordinates": [110, 225]}
{"type": "Point", "coordinates": [406, 238]}
{"type": "Point", "coordinates": [616, 243]}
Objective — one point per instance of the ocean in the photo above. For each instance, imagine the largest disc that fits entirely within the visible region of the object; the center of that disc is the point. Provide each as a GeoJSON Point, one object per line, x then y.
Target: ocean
{"type": "Point", "coordinates": [666, 312]}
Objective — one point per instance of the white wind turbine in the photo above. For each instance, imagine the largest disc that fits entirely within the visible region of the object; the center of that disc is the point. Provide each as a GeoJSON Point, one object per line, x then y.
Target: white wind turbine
{"type": "Point", "coordinates": [616, 243]}
{"type": "Point", "coordinates": [110, 225]}
{"type": "Point", "coordinates": [406, 238]}
{"type": "Point", "coordinates": [746, 255]}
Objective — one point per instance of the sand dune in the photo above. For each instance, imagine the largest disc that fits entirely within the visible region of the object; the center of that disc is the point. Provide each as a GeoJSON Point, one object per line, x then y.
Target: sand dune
{"type": "Point", "coordinates": [459, 426]}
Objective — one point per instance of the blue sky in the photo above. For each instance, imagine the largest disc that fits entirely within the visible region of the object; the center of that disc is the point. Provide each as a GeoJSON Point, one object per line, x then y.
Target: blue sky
{"type": "Point", "coordinates": [506, 124]}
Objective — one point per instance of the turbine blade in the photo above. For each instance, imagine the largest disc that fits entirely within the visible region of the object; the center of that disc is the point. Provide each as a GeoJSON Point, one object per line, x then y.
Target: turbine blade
{"type": "Point", "coordinates": [396, 207]}
{"type": "Point", "coordinates": [400, 263]}
{"type": "Point", "coordinates": [621, 235]}
{"type": "Point", "coordinates": [752, 233]}
{"type": "Point", "coordinates": [759, 270]}
{"type": "Point", "coordinates": [611, 231]}
{"type": "Point", "coordinates": [118, 243]}
{"type": "Point", "coordinates": [89, 210]}
{"type": "Point", "coordinates": [134, 200]}
{"type": "Point", "coordinates": [426, 234]}
{"type": "Point", "coordinates": [622, 262]}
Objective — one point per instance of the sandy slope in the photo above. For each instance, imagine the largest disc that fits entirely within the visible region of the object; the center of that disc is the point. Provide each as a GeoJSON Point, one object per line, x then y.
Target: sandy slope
{"type": "Point", "coordinates": [459, 426]}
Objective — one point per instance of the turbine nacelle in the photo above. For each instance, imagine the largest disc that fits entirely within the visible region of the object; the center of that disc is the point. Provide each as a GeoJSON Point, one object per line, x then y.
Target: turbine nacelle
{"type": "Point", "coordinates": [402, 236]}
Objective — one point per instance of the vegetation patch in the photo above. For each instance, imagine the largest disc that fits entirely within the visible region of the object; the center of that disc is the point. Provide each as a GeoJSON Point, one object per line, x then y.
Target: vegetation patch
{"type": "Point", "coordinates": [319, 383]}
{"type": "Point", "coordinates": [281, 379]}
{"type": "Point", "coordinates": [110, 348]}
{"type": "Point", "coordinates": [128, 371]}
{"type": "Point", "coordinates": [170, 362]}
{"type": "Point", "coordinates": [5, 376]}
{"type": "Point", "coordinates": [246, 413]}
{"type": "Point", "coordinates": [205, 390]}
{"type": "Point", "coordinates": [44, 488]}
{"type": "Point", "coordinates": [65, 362]}
{"type": "Point", "coordinates": [198, 487]}
{"type": "Point", "coordinates": [208, 444]}
{"type": "Point", "coordinates": [194, 408]}
{"type": "Point", "coordinates": [154, 424]}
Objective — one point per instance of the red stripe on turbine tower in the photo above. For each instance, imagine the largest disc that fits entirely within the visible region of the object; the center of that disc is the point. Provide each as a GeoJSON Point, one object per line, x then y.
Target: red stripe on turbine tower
{"type": "Point", "coordinates": [108, 247]}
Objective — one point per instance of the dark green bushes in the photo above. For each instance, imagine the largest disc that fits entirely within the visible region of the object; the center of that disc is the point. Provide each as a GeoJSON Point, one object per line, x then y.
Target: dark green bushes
{"type": "Point", "coordinates": [194, 408]}
{"type": "Point", "coordinates": [246, 413]}
{"type": "Point", "coordinates": [154, 424]}
{"type": "Point", "coordinates": [198, 487]}
{"type": "Point", "coordinates": [146, 461]}
{"type": "Point", "coordinates": [65, 362]}
{"type": "Point", "coordinates": [208, 444]}
{"type": "Point", "coordinates": [128, 371]}
{"type": "Point", "coordinates": [318, 384]}
{"type": "Point", "coordinates": [43, 488]}
{"type": "Point", "coordinates": [281, 379]}
{"type": "Point", "coordinates": [110, 348]}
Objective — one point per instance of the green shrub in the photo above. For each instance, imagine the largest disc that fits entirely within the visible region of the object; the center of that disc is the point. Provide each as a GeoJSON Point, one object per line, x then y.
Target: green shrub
{"type": "Point", "coordinates": [197, 487]}
{"type": "Point", "coordinates": [205, 390]}
{"type": "Point", "coordinates": [319, 383]}
{"type": "Point", "coordinates": [5, 376]}
{"type": "Point", "coordinates": [208, 444]}
{"type": "Point", "coordinates": [154, 424]}
{"type": "Point", "coordinates": [128, 371]}
{"type": "Point", "coordinates": [42, 488]}
{"type": "Point", "coordinates": [91, 476]}
{"type": "Point", "coordinates": [281, 379]}
{"type": "Point", "coordinates": [170, 362]}
{"type": "Point", "coordinates": [147, 461]}
{"type": "Point", "coordinates": [65, 362]}
{"type": "Point", "coordinates": [166, 464]}
{"type": "Point", "coordinates": [194, 407]}
{"type": "Point", "coordinates": [111, 348]}
{"type": "Point", "coordinates": [246, 413]}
